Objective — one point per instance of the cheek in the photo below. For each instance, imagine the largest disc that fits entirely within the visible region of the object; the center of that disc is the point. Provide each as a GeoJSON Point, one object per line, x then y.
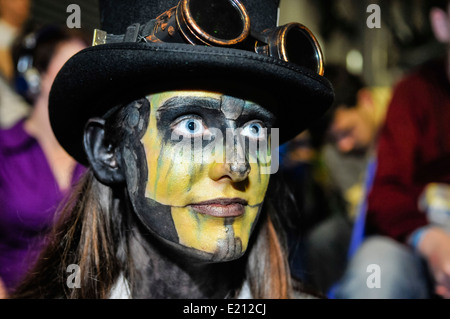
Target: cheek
{"type": "Point", "coordinates": [360, 132]}
{"type": "Point", "coordinates": [260, 160]}
{"type": "Point", "coordinates": [244, 225]}
{"type": "Point", "coordinates": [257, 183]}
{"type": "Point", "coordinates": [172, 172]}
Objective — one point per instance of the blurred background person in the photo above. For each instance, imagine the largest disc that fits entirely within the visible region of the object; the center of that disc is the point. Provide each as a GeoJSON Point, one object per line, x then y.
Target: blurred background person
{"type": "Point", "coordinates": [354, 124]}
{"type": "Point", "coordinates": [411, 251]}
{"type": "Point", "coordinates": [328, 179]}
{"type": "Point", "coordinates": [380, 56]}
{"type": "Point", "coordinates": [316, 199]}
{"type": "Point", "coordinates": [13, 17]}
{"type": "Point", "coordinates": [13, 106]}
{"type": "Point", "coordinates": [35, 172]}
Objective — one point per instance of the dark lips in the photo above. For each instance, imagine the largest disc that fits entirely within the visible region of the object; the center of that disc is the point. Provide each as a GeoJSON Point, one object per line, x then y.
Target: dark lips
{"type": "Point", "coordinates": [233, 207]}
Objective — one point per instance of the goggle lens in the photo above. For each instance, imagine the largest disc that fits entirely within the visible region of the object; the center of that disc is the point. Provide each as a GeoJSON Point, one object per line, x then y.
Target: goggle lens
{"type": "Point", "coordinates": [302, 49]}
{"type": "Point", "coordinates": [228, 23]}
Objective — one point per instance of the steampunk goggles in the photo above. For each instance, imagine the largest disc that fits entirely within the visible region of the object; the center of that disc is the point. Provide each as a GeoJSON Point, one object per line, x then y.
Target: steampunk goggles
{"type": "Point", "coordinates": [224, 23]}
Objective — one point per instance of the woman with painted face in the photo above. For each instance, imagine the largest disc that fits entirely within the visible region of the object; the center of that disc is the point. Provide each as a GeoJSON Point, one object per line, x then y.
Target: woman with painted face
{"type": "Point", "coordinates": [178, 119]}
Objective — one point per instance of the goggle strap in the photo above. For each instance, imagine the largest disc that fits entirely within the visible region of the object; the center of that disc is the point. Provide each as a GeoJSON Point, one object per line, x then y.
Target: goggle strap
{"type": "Point", "coordinates": [147, 29]}
{"type": "Point", "coordinates": [132, 33]}
{"type": "Point", "coordinates": [112, 38]}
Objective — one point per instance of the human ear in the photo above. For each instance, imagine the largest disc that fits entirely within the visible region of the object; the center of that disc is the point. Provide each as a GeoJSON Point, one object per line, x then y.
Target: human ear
{"type": "Point", "coordinates": [103, 156]}
{"type": "Point", "coordinates": [440, 24]}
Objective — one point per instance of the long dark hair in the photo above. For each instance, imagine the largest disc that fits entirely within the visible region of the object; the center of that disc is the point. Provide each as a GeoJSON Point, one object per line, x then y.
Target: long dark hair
{"type": "Point", "coordinates": [97, 231]}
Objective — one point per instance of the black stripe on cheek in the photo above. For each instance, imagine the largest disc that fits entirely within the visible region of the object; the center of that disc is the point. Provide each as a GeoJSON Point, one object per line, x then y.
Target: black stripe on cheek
{"type": "Point", "coordinates": [157, 218]}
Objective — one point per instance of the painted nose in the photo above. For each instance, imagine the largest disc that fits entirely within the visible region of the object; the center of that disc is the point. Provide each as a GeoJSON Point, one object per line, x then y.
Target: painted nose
{"type": "Point", "coordinates": [237, 162]}
{"type": "Point", "coordinates": [236, 166]}
{"type": "Point", "coordinates": [239, 171]}
{"type": "Point", "coordinates": [236, 172]}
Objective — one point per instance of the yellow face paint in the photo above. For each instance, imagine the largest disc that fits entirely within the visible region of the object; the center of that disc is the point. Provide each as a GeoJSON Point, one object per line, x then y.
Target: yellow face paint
{"type": "Point", "coordinates": [186, 173]}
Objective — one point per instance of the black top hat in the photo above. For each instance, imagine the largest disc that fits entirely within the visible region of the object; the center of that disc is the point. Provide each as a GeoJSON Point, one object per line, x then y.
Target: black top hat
{"type": "Point", "coordinates": [103, 76]}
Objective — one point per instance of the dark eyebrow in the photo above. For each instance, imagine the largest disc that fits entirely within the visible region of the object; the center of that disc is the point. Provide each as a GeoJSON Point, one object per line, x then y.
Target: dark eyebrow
{"type": "Point", "coordinates": [250, 111]}
{"type": "Point", "coordinates": [180, 101]}
{"type": "Point", "coordinates": [252, 108]}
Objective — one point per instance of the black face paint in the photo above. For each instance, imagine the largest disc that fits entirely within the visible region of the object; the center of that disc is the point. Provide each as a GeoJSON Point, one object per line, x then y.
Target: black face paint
{"type": "Point", "coordinates": [149, 212]}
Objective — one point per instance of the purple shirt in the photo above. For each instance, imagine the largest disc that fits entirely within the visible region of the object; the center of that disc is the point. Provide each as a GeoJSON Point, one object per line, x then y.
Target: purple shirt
{"type": "Point", "coordinates": [29, 196]}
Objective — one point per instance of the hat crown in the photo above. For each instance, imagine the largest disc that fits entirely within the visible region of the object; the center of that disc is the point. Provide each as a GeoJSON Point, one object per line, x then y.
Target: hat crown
{"type": "Point", "coordinates": [117, 15]}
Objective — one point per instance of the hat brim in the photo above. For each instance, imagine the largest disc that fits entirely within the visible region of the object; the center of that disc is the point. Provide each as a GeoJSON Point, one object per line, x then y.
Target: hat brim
{"type": "Point", "coordinates": [101, 77]}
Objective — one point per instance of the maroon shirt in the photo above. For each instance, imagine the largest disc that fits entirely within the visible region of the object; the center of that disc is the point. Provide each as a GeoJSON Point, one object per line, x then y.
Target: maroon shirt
{"type": "Point", "coordinates": [413, 150]}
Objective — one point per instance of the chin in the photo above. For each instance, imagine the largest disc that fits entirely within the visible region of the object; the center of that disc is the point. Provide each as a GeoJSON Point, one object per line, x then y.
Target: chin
{"type": "Point", "coordinates": [227, 250]}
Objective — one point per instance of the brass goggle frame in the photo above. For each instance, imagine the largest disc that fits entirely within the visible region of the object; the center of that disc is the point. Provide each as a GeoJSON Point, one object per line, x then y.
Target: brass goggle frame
{"type": "Point", "coordinates": [224, 23]}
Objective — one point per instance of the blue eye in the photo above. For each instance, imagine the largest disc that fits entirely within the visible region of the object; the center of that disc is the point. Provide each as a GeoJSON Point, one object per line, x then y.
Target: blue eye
{"type": "Point", "coordinates": [189, 126]}
{"type": "Point", "coordinates": [192, 126]}
{"type": "Point", "coordinates": [254, 130]}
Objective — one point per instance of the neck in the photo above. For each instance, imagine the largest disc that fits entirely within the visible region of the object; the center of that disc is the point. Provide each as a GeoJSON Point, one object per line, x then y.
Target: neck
{"type": "Point", "coordinates": [161, 275]}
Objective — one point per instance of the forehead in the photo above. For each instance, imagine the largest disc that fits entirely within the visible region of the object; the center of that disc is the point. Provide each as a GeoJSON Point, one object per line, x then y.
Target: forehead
{"type": "Point", "coordinates": [159, 99]}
